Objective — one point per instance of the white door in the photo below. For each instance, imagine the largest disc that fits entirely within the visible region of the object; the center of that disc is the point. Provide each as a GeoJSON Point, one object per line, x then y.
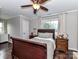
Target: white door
{"type": "Point", "coordinates": [25, 29]}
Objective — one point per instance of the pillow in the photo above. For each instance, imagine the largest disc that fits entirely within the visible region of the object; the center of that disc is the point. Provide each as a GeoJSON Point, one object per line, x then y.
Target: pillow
{"type": "Point", "coordinates": [45, 35]}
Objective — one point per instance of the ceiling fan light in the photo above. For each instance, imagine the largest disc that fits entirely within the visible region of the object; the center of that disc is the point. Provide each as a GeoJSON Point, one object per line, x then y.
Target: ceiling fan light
{"type": "Point", "coordinates": [36, 6]}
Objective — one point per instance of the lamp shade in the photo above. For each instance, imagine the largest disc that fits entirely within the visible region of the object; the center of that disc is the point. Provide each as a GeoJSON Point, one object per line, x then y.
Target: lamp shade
{"type": "Point", "coordinates": [36, 6]}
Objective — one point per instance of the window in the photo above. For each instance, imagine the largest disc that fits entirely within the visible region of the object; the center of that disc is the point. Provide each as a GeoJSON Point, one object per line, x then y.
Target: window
{"type": "Point", "coordinates": [1, 27]}
{"type": "Point", "coordinates": [49, 24]}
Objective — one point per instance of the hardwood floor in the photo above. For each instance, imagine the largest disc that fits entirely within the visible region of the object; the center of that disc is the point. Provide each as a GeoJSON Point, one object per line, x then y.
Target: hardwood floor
{"type": "Point", "coordinates": [5, 52]}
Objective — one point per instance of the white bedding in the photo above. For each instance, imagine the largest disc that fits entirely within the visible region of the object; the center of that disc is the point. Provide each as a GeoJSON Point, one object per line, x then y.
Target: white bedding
{"type": "Point", "coordinates": [50, 45]}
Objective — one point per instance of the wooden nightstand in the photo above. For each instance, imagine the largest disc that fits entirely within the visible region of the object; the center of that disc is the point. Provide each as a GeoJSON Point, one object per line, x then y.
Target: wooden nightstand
{"type": "Point", "coordinates": [62, 44]}
{"type": "Point", "coordinates": [32, 36]}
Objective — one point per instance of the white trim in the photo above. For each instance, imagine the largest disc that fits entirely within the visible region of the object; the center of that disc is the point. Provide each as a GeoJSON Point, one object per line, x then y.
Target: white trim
{"type": "Point", "coordinates": [18, 16]}
{"type": "Point", "coordinates": [49, 15]}
{"type": "Point", "coordinates": [72, 11]}
{"type": "Point", "coordinates": [24, 17]}
{"type": "Point", "coordinates": [73, 49]}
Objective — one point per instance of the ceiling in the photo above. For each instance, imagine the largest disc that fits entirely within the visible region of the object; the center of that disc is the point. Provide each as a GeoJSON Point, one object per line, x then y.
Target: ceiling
{"type": "Point", "coordinates": [11, 8]}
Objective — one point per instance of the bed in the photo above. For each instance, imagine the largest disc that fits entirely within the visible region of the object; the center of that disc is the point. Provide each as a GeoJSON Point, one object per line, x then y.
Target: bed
{"type": "Point", "coordinates": [25, 49]}
{"type": "Point", "coordinates": [35, 48]}
{"type": "Point", "coordinates": [49, 40]}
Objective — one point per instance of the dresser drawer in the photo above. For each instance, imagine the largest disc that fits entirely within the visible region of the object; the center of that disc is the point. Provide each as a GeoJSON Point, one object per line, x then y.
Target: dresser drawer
{"type": "Point", "coordinates": [62, 44]}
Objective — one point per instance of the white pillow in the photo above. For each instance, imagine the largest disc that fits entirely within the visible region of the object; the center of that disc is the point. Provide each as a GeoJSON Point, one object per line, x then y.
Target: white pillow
{"type": "Point", "coordinates": [45, 35]}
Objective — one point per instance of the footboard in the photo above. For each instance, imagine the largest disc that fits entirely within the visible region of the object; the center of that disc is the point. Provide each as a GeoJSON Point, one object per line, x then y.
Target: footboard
{"type": "Point", "coordinates": [24, 49]}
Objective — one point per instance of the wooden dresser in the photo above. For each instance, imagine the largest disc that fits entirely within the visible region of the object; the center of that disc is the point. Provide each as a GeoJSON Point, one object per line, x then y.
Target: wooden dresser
{"type": "Point", "coordinates": [62, 44]}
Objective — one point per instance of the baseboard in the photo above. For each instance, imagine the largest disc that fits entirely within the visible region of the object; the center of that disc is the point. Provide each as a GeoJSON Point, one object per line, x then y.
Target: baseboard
{"type": "Point", "coordinates": [4, 42]}
{"type": "Point", "coordinates": [75, 50]}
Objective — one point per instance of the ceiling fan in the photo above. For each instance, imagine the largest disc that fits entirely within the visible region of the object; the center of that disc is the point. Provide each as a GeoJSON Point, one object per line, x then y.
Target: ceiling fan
{"type": "Point", "coordinates": [36, 5]}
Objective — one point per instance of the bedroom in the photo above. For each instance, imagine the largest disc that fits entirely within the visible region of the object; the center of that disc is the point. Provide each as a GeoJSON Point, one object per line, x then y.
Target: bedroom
{"type": "Point", "coordinates": [22, 23]}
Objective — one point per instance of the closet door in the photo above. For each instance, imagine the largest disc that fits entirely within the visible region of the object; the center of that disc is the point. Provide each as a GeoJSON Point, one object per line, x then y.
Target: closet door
{"type": "Point", "coordinates": [25, 29]}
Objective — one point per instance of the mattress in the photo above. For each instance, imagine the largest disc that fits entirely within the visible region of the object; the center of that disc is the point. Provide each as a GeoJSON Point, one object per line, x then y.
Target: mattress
{"type": "Point", "coordinates": [50, 45]}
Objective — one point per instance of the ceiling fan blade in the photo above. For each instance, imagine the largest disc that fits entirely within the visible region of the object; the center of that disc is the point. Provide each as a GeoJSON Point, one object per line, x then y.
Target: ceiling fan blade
{"type": "Point", "coordinates": [37, 1]}
{"type": "Point", "coordinates": [44, 8]}
{"type": "Point", "coordinates": [34, 11]}
{"type": "Point", "coordinates": [42, 1]}
{"type": "Point", "coordinates": [33, 1]}
{"type": "Point", "coordinates": [26, 6]}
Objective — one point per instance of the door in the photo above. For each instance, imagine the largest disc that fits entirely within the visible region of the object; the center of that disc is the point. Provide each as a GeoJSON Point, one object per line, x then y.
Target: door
{"type": "Point", "coordinates": [25, 29]}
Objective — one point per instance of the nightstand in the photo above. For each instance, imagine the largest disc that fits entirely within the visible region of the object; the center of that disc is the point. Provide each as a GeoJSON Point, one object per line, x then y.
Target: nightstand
{"type": "Point", "coordinates": [62, 44]}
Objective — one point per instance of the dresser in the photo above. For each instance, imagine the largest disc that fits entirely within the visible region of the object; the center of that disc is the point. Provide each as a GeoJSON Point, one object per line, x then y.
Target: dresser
{"type": "Point", "coordinates": [62, 44]}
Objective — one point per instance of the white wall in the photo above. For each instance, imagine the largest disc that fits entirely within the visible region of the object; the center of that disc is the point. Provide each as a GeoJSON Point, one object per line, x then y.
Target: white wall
{"type": "Point", "coordinates": [0, 11]}
{"type": "Point", "coordinates": [72, 29]}
{"type": "Point", "coordinates": [34, 23]}
{"type": "Point", "coordinates": [69, 25]}
{"type": "Point", "coordinates": [14, 26]}
{"type": "Point", "coordinates": [18, 27]}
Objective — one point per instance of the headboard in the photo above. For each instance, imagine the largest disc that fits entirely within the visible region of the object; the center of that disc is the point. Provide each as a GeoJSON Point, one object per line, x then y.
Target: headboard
{"type": "Point", "coordinates": [47, 31]}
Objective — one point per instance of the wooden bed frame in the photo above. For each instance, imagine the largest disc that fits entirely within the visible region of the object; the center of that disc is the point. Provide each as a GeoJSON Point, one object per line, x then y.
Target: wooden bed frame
{"type": "Point", "coordinates": [24, 49]}
{"type": "Point", "coordinates": [47, 31]}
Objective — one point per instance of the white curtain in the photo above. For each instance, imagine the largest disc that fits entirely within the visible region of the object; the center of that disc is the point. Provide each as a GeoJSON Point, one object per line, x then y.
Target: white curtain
{"type": "Point", "coordinates": [61, 19]}
{"type": "Point", "coordinates": [62, 22]}
{"type": "Point", "coordinates": [48, 19]}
